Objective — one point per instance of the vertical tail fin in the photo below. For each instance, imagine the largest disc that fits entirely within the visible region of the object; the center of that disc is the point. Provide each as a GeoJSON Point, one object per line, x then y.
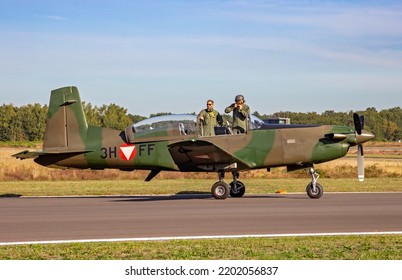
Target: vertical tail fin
{"type": "Point", "coordinates": [66, 125]}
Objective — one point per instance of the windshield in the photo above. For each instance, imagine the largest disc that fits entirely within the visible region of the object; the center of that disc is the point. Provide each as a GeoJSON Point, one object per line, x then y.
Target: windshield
{"type": "Point", "coordinates": [255, 122]}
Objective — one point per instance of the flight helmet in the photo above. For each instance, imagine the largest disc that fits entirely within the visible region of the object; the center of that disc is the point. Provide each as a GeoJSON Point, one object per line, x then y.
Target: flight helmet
{"type": "Point", "coordinates": [239, 97]}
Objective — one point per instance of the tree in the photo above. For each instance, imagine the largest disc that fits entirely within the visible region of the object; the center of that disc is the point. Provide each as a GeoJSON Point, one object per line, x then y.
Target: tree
{"type": "Point", "coordinates": [7, 130]}
{"type": "Point", "coordinates": [92, 114]}
{"type": "Point", "coordinates": [136, 118]}
{"type": "Point", "coordinates": [257, 114]}
{"type": "Point", "coordinates": [160, 114]}
{"type": "Point", "coordinates": [391, 130]}
{"type": "Point", "coordinates": [33, 121]}
{"type": "Point", "coordinates": [114, 116]}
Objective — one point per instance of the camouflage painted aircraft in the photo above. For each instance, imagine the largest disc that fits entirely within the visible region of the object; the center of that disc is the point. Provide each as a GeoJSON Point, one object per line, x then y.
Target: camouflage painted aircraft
{"type": "Point", "coordinates": [174, 143]}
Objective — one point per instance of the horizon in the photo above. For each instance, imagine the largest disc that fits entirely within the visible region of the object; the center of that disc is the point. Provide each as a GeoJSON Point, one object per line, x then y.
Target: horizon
{"type": "Point", "coordinates": [223, 113]}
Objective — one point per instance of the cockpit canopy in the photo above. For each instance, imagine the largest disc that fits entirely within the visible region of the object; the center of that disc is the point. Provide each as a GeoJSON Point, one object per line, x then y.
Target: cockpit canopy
{"type": "Point", "coordinates": [174, 125]}
{"type": "Point", "coordinates": [168, 121]}
{"type": "Point", "coordinates": [166, 126]}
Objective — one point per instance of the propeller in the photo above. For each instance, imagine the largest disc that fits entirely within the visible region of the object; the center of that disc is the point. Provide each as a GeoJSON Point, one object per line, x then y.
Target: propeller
{"type": "Point", "coordinates": [359, 125]}
{"type": "Point", "coordinates": [360, 163]}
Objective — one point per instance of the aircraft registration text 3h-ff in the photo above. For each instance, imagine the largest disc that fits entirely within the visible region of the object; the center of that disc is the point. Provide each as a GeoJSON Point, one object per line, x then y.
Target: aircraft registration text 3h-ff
{"type": "Point", "coordinates": [174, 143]}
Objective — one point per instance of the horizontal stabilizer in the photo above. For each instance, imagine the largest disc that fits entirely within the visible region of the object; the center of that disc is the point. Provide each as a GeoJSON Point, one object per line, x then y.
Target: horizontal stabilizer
{"type": "Point", "coordinates": [34, 154]}
{"type": "Point", "coordinates": [28, 154]}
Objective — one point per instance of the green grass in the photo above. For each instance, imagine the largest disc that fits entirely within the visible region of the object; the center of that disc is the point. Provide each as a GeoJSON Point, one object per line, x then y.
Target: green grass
{"type": "Point", "coordinates": [378, 156]}
{"type": "Point", "coordinates": [381, 247]}
{"type": "Point", "coordinates": [178, 186]}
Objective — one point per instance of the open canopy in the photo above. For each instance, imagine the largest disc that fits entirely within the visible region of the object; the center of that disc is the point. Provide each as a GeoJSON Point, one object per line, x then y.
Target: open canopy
{"type": "Point", "coordinates": [189, 122]}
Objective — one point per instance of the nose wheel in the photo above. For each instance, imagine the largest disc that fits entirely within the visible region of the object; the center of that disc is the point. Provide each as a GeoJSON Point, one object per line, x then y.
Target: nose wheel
{"type": "Point", "coordinates": [314, 190]}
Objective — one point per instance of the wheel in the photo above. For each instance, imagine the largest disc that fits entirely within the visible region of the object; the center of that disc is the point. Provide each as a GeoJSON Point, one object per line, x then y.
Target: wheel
{"type": "Point", "coordinates": [319, 191]}
{"type": "Point", "coordinates": [238, 191]}
{"type": "Point", "coordinates": [220, 190]}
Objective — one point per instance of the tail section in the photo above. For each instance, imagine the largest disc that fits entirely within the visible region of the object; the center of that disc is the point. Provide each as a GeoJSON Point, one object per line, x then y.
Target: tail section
{"type": "Point", "coordinates": [66, 125]}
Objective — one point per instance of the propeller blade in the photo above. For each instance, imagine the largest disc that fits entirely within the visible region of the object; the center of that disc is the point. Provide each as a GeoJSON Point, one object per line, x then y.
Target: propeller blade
{"type": "Point", "coordinates": [360, 163]}
{"type": "Point", "coordinates": [358, 124]}
{"type": "Point", "coordinates": [362, 121]}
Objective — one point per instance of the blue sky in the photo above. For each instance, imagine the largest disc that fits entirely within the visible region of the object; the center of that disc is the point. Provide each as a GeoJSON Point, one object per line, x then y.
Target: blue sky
{"type": "Point", "coordinates": [171, 56]}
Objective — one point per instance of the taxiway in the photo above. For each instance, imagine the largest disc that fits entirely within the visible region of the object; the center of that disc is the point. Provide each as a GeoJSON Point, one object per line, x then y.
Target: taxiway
{"type": "Point", "coordinates": [93, 218]}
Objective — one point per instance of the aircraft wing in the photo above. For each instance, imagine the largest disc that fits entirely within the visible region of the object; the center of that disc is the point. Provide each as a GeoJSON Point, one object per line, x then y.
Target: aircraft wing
{"type": "Point", "coordinates": [190, 154]}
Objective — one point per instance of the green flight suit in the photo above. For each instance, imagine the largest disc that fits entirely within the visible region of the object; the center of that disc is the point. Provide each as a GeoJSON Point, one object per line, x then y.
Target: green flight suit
{"type": "Point", "coordinates": [211, 120]}
{"type": "Point", "coordinates": [240, 117]}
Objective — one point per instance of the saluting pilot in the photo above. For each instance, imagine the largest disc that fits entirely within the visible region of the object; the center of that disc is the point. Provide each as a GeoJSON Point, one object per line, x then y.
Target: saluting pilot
{"type": "Point", "coordinates": [209, 118]}
{"type": "Point", "coordinates": [241, 113]}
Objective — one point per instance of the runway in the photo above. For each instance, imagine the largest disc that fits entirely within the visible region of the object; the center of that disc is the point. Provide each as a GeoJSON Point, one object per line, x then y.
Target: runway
{"type": "Point", "coordinates": [94, 218]}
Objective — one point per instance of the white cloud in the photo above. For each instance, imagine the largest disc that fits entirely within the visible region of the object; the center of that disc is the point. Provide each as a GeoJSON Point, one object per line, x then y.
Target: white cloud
{"type": "Point", "coordinates": [52, 17]}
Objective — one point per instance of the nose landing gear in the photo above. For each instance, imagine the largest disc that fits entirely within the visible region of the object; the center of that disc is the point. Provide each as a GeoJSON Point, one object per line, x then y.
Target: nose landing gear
{"type": "Point", "coordinates": [314, 189]}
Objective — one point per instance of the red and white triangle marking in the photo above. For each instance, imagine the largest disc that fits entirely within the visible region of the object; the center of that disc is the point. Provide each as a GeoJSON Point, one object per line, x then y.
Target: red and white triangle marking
{"type": "Point", "coordinates": [127, 152]}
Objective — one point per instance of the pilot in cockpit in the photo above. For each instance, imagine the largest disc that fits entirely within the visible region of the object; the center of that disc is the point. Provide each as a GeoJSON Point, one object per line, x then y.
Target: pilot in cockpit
{"type": "Point", "coordinates": [241, 114]}
{"type": "Point", "coordinates": [208, 119]}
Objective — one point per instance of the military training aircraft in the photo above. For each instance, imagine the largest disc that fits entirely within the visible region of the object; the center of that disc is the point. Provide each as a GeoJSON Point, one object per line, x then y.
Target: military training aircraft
{"type": "Point", "coordinates": [174, 143]}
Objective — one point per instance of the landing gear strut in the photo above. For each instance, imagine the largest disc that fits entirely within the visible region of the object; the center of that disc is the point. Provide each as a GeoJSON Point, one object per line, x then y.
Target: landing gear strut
{"type": "Point", "coordinates": [314, 189]}
{"type": "Point", "coordinates": [221, 190]}
{"type": "Point", "coordinates": [237, 188]}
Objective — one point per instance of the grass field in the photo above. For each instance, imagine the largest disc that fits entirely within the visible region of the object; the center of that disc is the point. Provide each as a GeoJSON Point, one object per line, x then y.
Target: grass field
{"type": "Point", "coordinates": [381, 247]}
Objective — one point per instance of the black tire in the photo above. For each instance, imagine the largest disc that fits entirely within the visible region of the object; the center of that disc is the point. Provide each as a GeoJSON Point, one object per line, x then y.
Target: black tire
{"type": "Point", "coordinates": [239, 192]}
{"type": "Point", "coordinates": [317, 194]}
{"type": "Point", "coordinates": [220, 190]}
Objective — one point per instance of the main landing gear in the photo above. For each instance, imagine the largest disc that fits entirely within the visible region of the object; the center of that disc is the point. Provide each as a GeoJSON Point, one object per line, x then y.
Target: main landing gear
{"type": "Point", "coordinates": [221, 190]}
{"type": "Point", "coordinates": [314, 189]}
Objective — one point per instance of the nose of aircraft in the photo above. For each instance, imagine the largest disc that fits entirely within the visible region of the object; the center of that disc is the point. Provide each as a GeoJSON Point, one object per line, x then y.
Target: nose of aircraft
{"type": "Point", "coordinates": [364, 137]}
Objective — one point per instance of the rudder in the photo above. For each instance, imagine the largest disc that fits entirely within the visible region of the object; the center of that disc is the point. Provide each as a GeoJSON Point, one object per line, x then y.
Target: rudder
{"type": "Point", "coordinates": [66, 125]}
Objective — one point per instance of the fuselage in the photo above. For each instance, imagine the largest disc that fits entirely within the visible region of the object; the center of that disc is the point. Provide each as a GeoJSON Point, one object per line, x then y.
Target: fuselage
{"type": "Point", "coordinates": [260, 148]}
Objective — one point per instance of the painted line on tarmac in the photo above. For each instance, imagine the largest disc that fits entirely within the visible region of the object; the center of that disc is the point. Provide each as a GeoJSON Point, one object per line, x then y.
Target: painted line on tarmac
{"type": "Point", "coordinates": [198, 237]}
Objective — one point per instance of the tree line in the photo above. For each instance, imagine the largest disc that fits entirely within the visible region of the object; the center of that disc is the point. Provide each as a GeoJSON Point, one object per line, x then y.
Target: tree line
{"type": "Point", "coordinates": [386, 124]}
{"type": "Point", "coordinates": [27, 123]}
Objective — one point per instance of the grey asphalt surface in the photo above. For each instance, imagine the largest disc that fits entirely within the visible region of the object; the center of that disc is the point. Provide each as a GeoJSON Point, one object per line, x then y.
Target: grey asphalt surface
{"type": "Point", "coordinates": [47, 219]}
